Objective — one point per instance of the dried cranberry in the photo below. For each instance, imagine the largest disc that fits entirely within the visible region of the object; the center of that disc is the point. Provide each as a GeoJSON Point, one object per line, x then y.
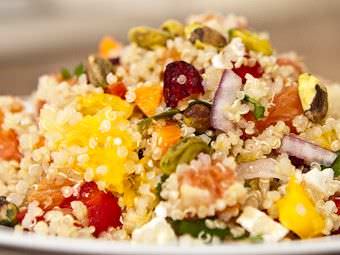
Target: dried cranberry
{"type": "Point", "coordinates": [115, 61]}
{"type": "Point", "coordinates": [180, 81]}
{"type": "Point", "coordinates": [256, 71]}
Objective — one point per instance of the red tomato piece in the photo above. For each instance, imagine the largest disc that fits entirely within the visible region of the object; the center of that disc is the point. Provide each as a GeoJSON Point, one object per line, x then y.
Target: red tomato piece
{"type": "Point", "coordinates": [103, 208]}
{"type": "Point", "coordinates": [117, 89]}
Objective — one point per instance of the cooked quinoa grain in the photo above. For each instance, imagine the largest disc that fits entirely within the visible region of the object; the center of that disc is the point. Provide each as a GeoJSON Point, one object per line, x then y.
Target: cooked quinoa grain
{"type": "Point", "coordinates": [182, 139]}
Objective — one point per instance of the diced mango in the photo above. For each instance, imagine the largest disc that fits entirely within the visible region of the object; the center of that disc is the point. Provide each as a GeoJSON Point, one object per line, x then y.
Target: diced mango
{"type": "Point", "coordinates": [109, 46]}
{"type": "Point", "coordinates": [168, 135]}
{"type": "Point", "coordinates": [148, 98]}
{"type": "Point", "coordinates": [298, 213]}
{"type": "Point", "coordinates": [92, 103]}
{"type": "Point", "coordinates": [109, 142]}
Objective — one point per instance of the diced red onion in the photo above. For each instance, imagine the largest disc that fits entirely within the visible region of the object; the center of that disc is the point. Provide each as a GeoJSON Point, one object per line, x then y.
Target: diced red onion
{"type": "Point", "coordinates": [309, 152]}
{"type": "Point", "coordinates": [261, 168]}
{"type": "Point", "coordinates": [225, 95]}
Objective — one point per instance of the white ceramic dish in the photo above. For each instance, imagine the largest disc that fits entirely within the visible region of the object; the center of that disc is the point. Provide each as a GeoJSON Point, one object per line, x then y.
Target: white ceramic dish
{"type": "Point", "coordinates": [35, 244]}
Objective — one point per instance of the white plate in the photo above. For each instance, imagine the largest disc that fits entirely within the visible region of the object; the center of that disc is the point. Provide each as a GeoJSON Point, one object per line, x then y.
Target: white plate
{"type": "Point", "coordinates": [36, 243]}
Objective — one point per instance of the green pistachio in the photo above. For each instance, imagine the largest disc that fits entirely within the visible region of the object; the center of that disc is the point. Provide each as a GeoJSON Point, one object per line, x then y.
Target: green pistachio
{"type": "Point", "coordinates": [252, 41]}
{"type": "Point", "coordinates": [197, 115]}
{"type": "Point", "coordinates": [8, 213]}
{"type": "Point", "coordinates": [182, 152]}
{"type": "Point", "coordinates": [148, 38]}
{"type": "Point", "coordinates": [313, 96]}
{"type": "Point", "coordinates": [97, 69]}
{"type": "Point", "coordinates": [202, 36]}
{"type": "Point", "coordinates": [173, 27]}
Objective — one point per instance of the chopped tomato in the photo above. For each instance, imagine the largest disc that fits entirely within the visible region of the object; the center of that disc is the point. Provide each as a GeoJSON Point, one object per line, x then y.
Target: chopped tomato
{"type": "Point", "coordinates": [21, 214]}
{"type": "Point", "coordinates": [103, 208]}
{"type": "Point", "coordinates": [117, 89]}
{"type": "Point", "coordinates": [286, 106]}
{"type": "Point", "coordinates": [256, 71]}
{"type": "Point", "coordinates": [336, 200]}
{"type": "Point", "coordinates": [9, 145]}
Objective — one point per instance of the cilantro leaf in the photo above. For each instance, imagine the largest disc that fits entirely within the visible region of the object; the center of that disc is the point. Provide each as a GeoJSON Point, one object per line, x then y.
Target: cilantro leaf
{"type": "Point", "coordinates": [79, 70]}
{"type": "Point", "coordinates": [65, 74]}
{"type": "Point", "coordinates": [196, 228]}
{"type": "Point", "coordinates": [258, 108]}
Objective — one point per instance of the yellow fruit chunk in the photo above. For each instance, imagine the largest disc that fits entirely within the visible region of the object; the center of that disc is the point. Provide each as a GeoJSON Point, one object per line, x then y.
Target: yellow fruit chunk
{"type": "Point", "coordinates": [109, 142]}
{"type": "Point", "coordinates": [168, 135]}
{"type": "Point", "coordinates": [298, 213]}
{"type": "Point", "coordinates": [108, 47]}
{"type": "Point", "coordinates": [252, 41]}
{"type": "Point", "coordinates": [148, 98]}
{"type": "Point", "coordinates": [90, 104]}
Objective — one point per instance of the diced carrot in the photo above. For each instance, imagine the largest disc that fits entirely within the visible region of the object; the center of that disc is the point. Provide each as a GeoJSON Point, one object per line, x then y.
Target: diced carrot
{"type": "Point", "coordinates": [168, 135]}
{"type": "Point", "coordinates": [48, 192]}
{"type": "Point", "coordinates": [117, 89]}
{"type": "Point", "coordinates": [148, 98]}
{"type": "Point", "coordinates": [109, 46]}
{"type": "Point", "coordinates": [9, 145]}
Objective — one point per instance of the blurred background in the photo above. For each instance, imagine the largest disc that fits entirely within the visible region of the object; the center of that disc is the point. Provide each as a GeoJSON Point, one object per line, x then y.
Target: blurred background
{"type": "Point", "coordinates": [41, 36]}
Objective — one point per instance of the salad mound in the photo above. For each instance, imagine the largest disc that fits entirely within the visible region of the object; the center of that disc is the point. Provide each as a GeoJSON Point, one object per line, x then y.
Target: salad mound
{"type": "Point", "coordinates": [194, 132]}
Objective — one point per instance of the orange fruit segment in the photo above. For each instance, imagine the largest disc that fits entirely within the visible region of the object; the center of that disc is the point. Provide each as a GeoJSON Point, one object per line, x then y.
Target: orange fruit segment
{"type": "Point", "coordinates": [287, 105]}
{"type": "Point", "coordinates": [48, 192]}
{"type": "Point", "coordinates": [148, 98]}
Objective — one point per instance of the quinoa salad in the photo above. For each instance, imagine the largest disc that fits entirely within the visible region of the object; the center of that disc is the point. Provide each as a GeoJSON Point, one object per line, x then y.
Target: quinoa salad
{"type": "Point", "coordinates": [196, 132]}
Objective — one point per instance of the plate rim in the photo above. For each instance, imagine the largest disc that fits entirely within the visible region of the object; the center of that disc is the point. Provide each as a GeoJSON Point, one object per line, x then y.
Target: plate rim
{"type": "Point", "coordinates": [35, 242]}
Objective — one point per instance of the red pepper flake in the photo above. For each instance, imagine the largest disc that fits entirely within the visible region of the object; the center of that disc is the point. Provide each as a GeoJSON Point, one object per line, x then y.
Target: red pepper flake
{"type": "Point", "coordinates": [116, 89]}
{"type": "Point", "coordinates": [9, 145]}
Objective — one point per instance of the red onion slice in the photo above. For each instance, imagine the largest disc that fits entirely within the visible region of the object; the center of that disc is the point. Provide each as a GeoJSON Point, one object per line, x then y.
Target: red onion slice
{"type": "Point", "coordinates": [309, 152]}
{"type": "Point", "coordinates": [225, 95]}
{"type": "Point", "coordinates": [261, 168]}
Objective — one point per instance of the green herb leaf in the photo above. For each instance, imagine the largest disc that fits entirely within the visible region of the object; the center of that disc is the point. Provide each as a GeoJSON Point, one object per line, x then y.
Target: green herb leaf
{"type": "Point", "coordinates": [65, 74]}
{"type": "Point", "coordinates": [144, 124]}
{"type": "Point", "coordinates": [336, 165]}
{"type": "Point", "coordinates": [256, 239]}
{"type": "Point", "coordinates": [258, 108]}
{"type": "Point", "coordinates": [166, 114]}
{"type": "Point", "coordinates": [196, 228]}
{"type": "Point", "coordinates": [79, 70]}
{"type": "Point", "coordinates": [159, 185]}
